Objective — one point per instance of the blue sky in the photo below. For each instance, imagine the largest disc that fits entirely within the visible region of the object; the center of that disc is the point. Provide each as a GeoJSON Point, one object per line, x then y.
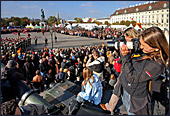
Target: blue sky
{"type": "Point", "coordinates": [67, 10]}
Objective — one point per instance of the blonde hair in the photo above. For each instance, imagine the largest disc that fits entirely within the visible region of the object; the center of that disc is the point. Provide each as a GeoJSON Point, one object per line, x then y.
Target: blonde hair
{"type": "Point", "coordinates": [61, 70]}
{"type": "Point", "coordinates": [87, 74]}
{"type": "Point", "coordinates": [131, 32]}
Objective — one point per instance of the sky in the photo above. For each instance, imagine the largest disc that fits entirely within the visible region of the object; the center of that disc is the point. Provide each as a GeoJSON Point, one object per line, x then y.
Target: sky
{"type": "Point", "coordinates": [67, 10]}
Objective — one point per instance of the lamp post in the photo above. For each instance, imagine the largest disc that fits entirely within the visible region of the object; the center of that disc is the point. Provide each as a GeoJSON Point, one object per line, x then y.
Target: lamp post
{"type": "Point", "coordinates": [51, 32]}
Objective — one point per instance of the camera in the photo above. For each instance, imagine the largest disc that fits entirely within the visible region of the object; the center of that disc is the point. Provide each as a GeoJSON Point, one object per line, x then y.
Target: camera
{"type": "Point", "coordinates": [133, 45]}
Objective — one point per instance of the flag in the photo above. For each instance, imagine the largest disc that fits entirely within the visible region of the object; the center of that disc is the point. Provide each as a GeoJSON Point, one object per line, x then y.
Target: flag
{"type": "Point", "coordinates": [15, 33]}
{"type": "Point", "coordinates": [25, 31]}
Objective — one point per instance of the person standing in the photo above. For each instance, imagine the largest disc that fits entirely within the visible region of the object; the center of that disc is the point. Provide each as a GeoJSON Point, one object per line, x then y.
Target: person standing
{"type": "Point", "coordinates": [133, 84]}
{"type": "Point", "coordinates": [97, 65]}
{"type": "Point", "coordinates": [28, 69]}
{"type": "Point", "coordinates": [35, 40]}
{"type": "Point", "coordinates": [55, 39]}
{"type": "Point", "coordinates": [46, 41]}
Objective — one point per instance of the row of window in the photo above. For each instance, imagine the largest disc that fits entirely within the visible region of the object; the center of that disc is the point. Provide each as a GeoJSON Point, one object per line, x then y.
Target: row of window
{"type": "Point", "coordinates": [142, 17]}
{"type": "Point", "coordinates": [149, 21]}
{"type": "Point", "coordinates": [146, 13]}
{"type": "Point", "coordinates": [139, 13]}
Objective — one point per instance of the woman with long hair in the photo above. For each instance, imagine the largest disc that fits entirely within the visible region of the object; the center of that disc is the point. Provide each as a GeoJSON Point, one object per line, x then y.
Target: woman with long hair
{"type": "Point", "coordinates": [133, 85]}
{"type": "Point", "coordinates": [91, 88]}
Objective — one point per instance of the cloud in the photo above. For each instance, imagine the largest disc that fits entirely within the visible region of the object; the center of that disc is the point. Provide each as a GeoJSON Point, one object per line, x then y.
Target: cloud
{"type": "Point", "coordinates": [124, 3]}
{"type": "Point", "coordinates": [50, 4]}
{"type": "Point", "coordinates": [93, 11]}
{"type": "Point", "coordinates": [28, 7]}
{"type": "Point", "coordinates": [88, 4]}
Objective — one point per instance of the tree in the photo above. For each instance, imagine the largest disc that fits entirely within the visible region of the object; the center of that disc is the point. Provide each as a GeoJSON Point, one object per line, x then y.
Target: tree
{"type": "Point", "coordinates": [3, 22]}
{"type": "Point", "coordinates": [79, 20]}
{"type": "Point", "coordinates": [117, 23]}
{"type": "Point", "coordinates": [127, 23]}
{"type": "Point", "coordinates": [37, 23]}
{"type": "Point", "coordinates": [33, 23]}
{"type": "Point", "coordinates": [23, 23]}
{"type": "Point", "coordinates": [133, 23]}
{"type": "Point", "coordinates": [16, 23]}
{"type": "Point", "coordinates": [122, 22]}
{"type": "Point", "coordinates": [8, 20]}
{"type": "Point", "coordinates": [52, 20]}
{"type": "Point", "coordinates": [106, 23]}
{"type": "Point", "coordinates": [98, 23]}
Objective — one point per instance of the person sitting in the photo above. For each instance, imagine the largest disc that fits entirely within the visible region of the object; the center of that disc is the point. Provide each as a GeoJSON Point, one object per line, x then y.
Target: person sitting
{"type": "Point", "coordinates": [91, 88]}
{"type": "Point", "coordinates": [60, 76]}
{"type": "Point", "coordinates": [38, 81]}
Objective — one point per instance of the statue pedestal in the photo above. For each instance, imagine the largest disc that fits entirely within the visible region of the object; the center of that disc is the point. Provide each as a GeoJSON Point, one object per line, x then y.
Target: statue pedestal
{"type": "Point", "coordinates": [42, 25]}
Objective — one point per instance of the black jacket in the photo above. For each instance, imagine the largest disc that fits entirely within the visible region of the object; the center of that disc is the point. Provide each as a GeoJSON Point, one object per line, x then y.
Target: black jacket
{"type": "Point", "coordinates": [134, 79]}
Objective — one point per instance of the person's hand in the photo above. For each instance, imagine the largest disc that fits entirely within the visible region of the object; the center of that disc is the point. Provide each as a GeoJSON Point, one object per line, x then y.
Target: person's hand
{"type": "Point", "coordinates": [124, 50]}
{"type": "Point", "coordinates": [82, 84]}
{"type": "Point", "coordinates": [90, 56]}
{"type": "Point", "coordinates": [107, 64]}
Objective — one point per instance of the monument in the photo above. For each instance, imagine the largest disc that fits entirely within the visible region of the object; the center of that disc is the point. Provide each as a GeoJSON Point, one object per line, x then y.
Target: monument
{"type": "Point", "coordinates": [42, 22]}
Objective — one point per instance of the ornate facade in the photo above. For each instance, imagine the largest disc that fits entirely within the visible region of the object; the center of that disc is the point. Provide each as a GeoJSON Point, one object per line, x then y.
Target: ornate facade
{"type": "Point", "coordinates": [150, 14]}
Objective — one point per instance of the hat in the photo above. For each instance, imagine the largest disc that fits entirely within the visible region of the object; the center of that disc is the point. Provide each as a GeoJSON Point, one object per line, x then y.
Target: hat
{"type": "Point", "coordinates": [11, 64]}
{"type": "Point", "coordinates": [13, 55]}
{"type": "Point", "coordinates": [76, 63]}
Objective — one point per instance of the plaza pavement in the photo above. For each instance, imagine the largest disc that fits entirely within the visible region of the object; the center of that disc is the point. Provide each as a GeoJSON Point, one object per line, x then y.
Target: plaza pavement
{"type": "Point", "coordinates": [63, 41]}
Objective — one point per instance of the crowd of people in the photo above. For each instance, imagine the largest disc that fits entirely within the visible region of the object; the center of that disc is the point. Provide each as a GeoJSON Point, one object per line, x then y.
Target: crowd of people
{"type": "Point", "coordinates": [98, 33]}
{"type": "Point", "coordinates": [96, 68]}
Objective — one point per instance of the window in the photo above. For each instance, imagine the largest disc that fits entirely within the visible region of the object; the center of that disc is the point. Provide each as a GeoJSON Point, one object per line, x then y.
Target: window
{"type": "Point", "coordinates": [162, 15]}
{"type": "Point", "coordinates": [167, 21]}
{"type": "Point", "coordinates": [137, 9]}
{"type": "Point", "coordinates": [167, 15]}
{"type": "Point", "coordinates": [157, 11]}
{"type": "Point", "coordinates": [162, 21]}
{"type": "Point", "coordinates": [149, 12]}
{"type": "Point", "coordinates": [162, 10]}
{"type": "Point", "coordinates": [167, 10]}
{"type": "Point", "coordinates": [150, 7]}
{"type": "Point", "coordinates": [152, 16]}
{"type": "Point", "coordinates": [149, 16]}
{"type": "Point", "coordinates": [157, 21]}
{"type": "Point", "coordinates": [165, 5]}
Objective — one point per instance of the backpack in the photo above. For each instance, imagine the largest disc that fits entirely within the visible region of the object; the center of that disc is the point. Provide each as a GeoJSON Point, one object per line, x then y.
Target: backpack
{"type": "Point", "coordinates": [117, 66]}
{"type": "Point", "coordinates": [158, 89]}
{"type": "Point", "coordinates": [99, 68]}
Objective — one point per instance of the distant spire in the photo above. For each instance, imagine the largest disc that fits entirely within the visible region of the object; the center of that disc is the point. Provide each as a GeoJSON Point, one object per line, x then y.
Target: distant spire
{"type": "Point", "coordinates": [57, 16]}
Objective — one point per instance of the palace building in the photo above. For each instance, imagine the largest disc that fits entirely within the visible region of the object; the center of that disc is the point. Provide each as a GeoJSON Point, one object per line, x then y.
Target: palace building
{"type": "Point", "coordinates": [149, 14]}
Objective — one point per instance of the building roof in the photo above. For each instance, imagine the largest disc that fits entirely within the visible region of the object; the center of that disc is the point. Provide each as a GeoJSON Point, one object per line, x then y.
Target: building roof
{"type": "Point", "coordinates": [141, 8]}
{"type": "Point", "coordinates": [103, 19]}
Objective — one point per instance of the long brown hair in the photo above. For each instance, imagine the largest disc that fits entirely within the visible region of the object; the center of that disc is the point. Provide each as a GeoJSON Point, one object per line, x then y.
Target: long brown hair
{"type": "Point", "coordinates": [155, 38]}
{"type": "Point", "coordinates": [87, 74]}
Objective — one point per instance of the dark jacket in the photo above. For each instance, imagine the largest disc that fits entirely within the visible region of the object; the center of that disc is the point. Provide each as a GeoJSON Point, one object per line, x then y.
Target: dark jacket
{"type": "Point", "coordinates": [134, 79]}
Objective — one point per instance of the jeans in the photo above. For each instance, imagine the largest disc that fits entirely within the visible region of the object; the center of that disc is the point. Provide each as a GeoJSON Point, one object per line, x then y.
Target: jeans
{"type": "Point", "coordinates": [126, 101]}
